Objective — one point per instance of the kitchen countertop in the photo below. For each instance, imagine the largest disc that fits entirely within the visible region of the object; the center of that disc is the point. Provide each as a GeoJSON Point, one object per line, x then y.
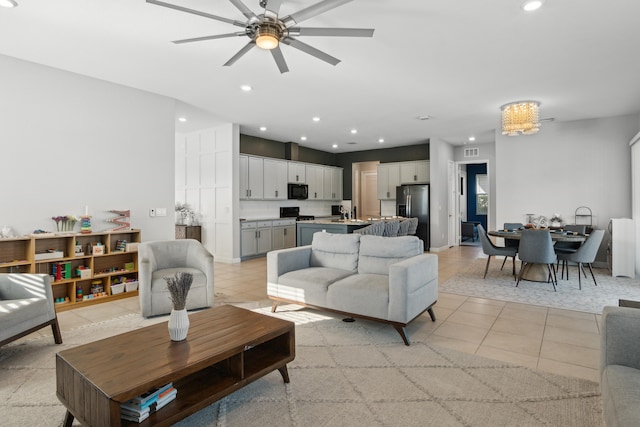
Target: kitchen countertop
{"type": "Point", "coordinates": [329, 221]}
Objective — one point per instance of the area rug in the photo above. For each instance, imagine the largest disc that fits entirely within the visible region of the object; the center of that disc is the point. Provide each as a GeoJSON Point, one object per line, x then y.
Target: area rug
{"type": "Point", "coordinates": [344, 374]}
{"type": "Point", "coordinates": [500, 285]}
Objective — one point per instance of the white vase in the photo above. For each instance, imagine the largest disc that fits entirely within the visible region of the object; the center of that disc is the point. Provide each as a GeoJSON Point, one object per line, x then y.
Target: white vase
{"type": "Point", "coordinates": [178, 325]}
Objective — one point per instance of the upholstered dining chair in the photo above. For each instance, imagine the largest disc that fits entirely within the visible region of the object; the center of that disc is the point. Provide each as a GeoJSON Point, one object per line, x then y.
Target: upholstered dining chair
{"type": "Point", "coordinates": [585, 254]}
{"type": "Point", "coordinates": [536, 247]}
{"type": "Point", "coordinates": [511, 243]}
{"type": "Point", "coordinates": [568, 247]}
{"type": "Point", "coordinates": [492, 250]}
{"type": "Point", "coordinates": [375, 229]}
{"type": "Point", "coordinates": [165, 258]}
{"type": "Point", "coordinates": [391, 228]}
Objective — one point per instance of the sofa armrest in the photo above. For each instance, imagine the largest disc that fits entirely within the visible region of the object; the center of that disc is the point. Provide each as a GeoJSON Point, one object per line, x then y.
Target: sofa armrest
{"type": "Point", "coordinates": [413, 286]}
{"type": "Point", "coordinates": [283, 261]}
{"type": "Point", "coordinates": [620, 338]}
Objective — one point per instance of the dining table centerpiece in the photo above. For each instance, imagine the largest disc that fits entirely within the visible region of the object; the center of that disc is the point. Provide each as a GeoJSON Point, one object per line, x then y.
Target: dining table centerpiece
{"type": "Point", "coordinates": [555, 220]}
{"type": "Point", "coordinates": [178, 287]}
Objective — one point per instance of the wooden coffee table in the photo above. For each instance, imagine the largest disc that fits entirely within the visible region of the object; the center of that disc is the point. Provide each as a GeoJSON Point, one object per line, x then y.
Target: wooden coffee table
{"type": "Point", "coordinates": [226, 349]}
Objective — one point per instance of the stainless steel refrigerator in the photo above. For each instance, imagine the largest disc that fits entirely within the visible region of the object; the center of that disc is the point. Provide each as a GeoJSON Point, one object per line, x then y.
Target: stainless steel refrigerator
{"type": "Point", "coordinates": [412, 201]}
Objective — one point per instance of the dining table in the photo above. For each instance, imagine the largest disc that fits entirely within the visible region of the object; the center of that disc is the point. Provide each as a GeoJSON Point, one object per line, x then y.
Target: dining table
{"type": "Point", "coordinates": [539, 272]}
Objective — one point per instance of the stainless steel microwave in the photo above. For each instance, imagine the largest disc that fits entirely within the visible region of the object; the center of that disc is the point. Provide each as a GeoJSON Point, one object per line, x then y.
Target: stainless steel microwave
{"type": "Point", "coordinates": [298, 191]}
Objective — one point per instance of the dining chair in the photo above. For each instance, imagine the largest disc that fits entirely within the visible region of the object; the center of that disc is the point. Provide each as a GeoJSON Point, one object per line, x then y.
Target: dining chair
{"type": "Point", "coordinates": [511, 243]}
{"type": "Point", "coordinates": [570, 246]}
{"type": "Point", "coordinates": [536, 247]}
{"type": "Point", "coordinates": [492, 250]}
{"type": "Point", "coordinates": [586, 254]}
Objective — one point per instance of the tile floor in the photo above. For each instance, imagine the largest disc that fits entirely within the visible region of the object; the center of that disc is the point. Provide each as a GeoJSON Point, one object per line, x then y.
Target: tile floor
{"type": "Point", "coordinates": [558, 341]}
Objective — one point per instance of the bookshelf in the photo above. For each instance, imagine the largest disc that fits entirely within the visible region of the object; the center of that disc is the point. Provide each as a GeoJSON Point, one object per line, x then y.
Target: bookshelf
{"type": "Point", "coordinates": [77, 263]}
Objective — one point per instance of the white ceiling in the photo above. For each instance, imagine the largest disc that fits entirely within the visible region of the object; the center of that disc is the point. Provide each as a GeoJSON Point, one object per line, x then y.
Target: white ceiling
{"type": "Point", "coordinates": [456, 61]}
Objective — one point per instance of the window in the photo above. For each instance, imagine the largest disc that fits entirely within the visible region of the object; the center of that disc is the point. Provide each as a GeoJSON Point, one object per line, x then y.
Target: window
{"type": "Point", "coordinates": [482, 194]}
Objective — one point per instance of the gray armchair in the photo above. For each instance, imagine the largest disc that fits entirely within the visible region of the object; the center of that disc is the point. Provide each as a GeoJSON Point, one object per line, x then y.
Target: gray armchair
{"type": "Point", "coordinates": [160, 259]}
{"type": "Point", "coordinates": [26, 305]}
{"type": "Point", "coordinates": [620, 366]}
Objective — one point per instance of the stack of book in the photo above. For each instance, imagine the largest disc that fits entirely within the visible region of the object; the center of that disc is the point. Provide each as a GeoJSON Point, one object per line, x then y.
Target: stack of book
{"type": "Point", "coordinates": [139, 408]}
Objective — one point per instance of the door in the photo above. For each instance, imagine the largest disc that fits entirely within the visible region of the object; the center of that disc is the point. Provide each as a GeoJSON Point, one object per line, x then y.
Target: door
{"type": "Point", "coordinates": [451, 211]}
{"type": "Point", "coordinates": [370, 206]}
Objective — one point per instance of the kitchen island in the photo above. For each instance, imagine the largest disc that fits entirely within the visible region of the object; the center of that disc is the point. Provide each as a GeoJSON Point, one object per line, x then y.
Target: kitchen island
{"type": "Point", "coordinates": [305, 229]}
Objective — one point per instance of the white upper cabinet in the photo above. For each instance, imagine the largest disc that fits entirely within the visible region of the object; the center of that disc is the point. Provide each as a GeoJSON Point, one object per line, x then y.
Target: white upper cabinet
{"type": "Point", "coordinates": [315, 181]}
{"type": "Point", "coordinates": [296, 173]}
{"type": "Point", "coordinates": [332, 184]}
{"type": "Point", "coordinates": [388, 180]}
{"type": "Point", "coordinates": [414, 172]}
{"type": "Point", "coordinates": [275, 179]}
{"type": "Point", "coordinates": [251, 177]}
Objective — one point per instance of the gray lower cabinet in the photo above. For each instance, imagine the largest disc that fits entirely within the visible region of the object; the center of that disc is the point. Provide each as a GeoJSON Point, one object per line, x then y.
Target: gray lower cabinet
{"type": "Point", "coordinates": [283, 234]}
{"type": "Point", "coordinates": [259, 237]}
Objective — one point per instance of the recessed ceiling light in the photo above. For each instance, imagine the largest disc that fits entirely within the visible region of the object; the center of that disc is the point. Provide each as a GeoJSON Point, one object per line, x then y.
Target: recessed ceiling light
{"type": "Point", "coordinates": [354, 131]}
{"type": "Point", "coordinates": [316, 119]}
{"type": "Point", "coordinates": [381, 140]}
{"type": "Point", "coordinates": [303, 138]}
{"type": "Point", "coordinates": [334, 146]}
{"type": "Point", "coordinates": [182, 119]}
{"type": "Point", "coordinates": [245, 88]}
{"type": "Point", "coordinates": [8, 3]}
{"type": "Point", "coordinates": [263, 128]}
{"type": "Point", "coordinates": [531, 5]}
{"type": "Point", "coordinates": [472, 138]}
{"type": "Point", "coordinates": [425, 117]}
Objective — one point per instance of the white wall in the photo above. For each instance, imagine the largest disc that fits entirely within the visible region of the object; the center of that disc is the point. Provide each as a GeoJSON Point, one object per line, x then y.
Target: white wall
{"type": "Point", "coordinates": [565, 166]}
{"type": "Point", "coordinates": [70, 141]}
{"type": "Point", "coordinates": [204, 180]}
{"type": "Point", "coordinates": [440, 153]}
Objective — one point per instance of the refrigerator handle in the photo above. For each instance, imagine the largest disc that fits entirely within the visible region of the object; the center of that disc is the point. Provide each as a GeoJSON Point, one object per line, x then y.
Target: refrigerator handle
{"type": "Point", "coordinates": [409, 205]}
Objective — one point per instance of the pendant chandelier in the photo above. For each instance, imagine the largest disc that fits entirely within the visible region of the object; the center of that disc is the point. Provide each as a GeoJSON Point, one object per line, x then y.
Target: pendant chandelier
{"type": "Point", "coordinates": [520, 118]}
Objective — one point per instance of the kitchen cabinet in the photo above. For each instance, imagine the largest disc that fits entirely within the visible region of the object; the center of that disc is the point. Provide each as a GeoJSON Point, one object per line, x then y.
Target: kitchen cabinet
{"type": "Point", "coordinates": [332, 183]}
{"type": "Point", "coordinates": [414, 172]}
{"type": "Point", "coordinates": [255, 238]}
{"type": "Point", "coordinates": [251, 177]}
{"type": "Point", "coordinates": [296, 173]}
{"type": "Point", "coordinates": [388, 180]}
{"type": "Point", "coordinates": [283, 234]}
{"type": "Point", "coordinates": [275, 179]}
{"type": "Point", "coordinates": [315, 181]}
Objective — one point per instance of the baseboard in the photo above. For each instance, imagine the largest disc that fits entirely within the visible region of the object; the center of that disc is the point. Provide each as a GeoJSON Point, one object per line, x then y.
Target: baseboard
{"type": "Point", "coordinates": [440, 249]}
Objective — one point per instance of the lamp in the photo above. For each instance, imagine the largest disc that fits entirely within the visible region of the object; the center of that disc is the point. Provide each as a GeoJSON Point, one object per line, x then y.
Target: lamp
{"type": "Point", "coordinates": [268, 36]}
{"type": "Point", "coordinates": [520, 118]}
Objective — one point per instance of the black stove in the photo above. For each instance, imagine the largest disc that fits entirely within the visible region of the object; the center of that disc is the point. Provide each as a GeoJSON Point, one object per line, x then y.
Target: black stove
{"type": "Point", "coordinates": [294, 212]}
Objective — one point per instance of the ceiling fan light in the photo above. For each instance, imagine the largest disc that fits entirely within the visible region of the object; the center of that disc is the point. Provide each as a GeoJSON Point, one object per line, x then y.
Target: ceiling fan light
{"type": "Point", "coordinates": [267, 37]}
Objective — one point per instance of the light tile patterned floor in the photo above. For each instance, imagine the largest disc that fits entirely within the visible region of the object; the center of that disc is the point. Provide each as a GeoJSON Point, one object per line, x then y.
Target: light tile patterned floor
{"type": "Point", "coordinates": [558, 341]}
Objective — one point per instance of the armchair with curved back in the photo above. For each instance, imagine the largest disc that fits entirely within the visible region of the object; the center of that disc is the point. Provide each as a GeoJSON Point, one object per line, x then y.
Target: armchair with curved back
{"type": "Point", "coordinates": [160, 259]}
{"type": "Point", "coordinates": [26, 305]}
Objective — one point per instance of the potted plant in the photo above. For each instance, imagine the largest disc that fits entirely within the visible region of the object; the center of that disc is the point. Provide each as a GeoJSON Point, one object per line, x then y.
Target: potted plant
{"type": "Point", "coordinates": [556, 220]}
{"type": "Point", "coordinates": [178, 287]}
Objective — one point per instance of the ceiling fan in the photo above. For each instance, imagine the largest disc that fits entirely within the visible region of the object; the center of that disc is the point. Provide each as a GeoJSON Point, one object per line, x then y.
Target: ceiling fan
{"type": "Point", "coordinates": [268, 29]}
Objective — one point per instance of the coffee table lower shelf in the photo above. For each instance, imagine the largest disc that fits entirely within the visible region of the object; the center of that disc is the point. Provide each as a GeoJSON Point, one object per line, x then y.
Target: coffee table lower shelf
{"type": "Point", "coordinates": [254, 347]}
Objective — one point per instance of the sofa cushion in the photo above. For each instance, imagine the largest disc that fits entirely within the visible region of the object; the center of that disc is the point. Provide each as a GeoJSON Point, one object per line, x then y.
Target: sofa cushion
{"type": "Point", "coordinates": [378, 253]}
{"type": "Point", "coordinates": [335, 251]}
{"type": "Point", "coordinates": [309, 285]}
{"type": "Point", "coordinates": [621, 395]}
{"type": "Point", "coordinates": [363, 294]}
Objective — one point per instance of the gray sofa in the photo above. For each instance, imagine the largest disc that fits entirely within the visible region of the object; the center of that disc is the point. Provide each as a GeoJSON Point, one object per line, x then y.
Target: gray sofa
{"type": "Point", "coordinates": [387, 279]}
{"type": "Point", "coordinates": [26, 305]}
{"type": "Point", "coordinates": [620, 366]}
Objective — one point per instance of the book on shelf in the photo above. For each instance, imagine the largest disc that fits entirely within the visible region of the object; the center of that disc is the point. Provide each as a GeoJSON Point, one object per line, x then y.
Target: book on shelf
{"type": "Point", "coordinates": [135, 418]}
{"type": "Point", "coordinates": [151, 394]}
{"type": "Point", "coordinates": [139, 408]}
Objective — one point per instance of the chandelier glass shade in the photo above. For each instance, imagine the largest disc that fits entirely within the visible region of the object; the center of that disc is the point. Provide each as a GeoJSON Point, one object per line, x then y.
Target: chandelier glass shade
{"type": "Point", "coordinates": [520, 118]}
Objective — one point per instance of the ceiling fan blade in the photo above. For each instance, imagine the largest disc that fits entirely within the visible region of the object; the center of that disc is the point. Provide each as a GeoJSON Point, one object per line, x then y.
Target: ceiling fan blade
{"type": "Point", "coordinates": [279, 58]}
{"type": "Point", "coordinates": [197, 12]}
{"type": "Point", "coordinates": [332, 32]}
{"type": "Point", "coordinates": [310, 50]}
{"type": "Point", "coordinates": [244, 9]}
{"type": "Point", "coordinates": [311, 11]}
{"type": "Point", "coordinates": [273, 8]}
{"type": "Point", "coordinates": [240, 53]}
{"type": "Point", "coordinates": [217, 36]}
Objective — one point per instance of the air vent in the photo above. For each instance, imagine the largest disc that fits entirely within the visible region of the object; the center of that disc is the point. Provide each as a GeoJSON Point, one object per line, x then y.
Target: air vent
{"type": "Point", "coordinates": [472, 152]}
{"type": "Point", "coordinates": [351, 143]}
